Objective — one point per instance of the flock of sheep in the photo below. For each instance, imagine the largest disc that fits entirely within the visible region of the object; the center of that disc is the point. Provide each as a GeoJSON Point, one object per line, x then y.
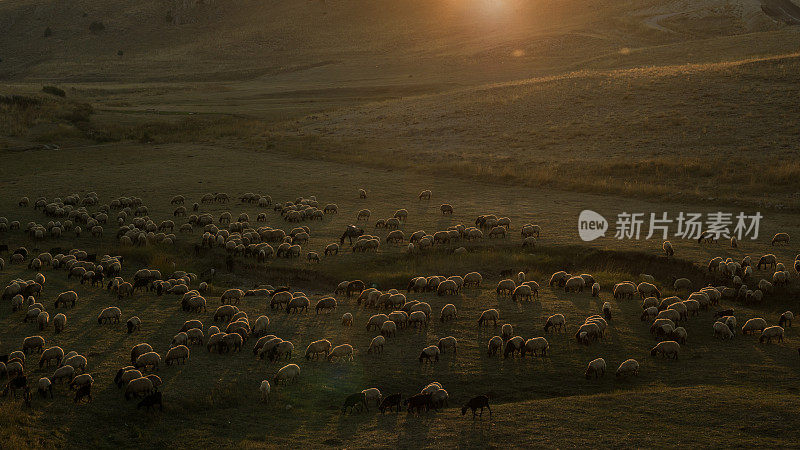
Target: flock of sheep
{"type": "Point", "coordinates": [231, 328]}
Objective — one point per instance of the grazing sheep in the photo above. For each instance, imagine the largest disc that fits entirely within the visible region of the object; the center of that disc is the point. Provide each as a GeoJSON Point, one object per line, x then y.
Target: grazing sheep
{"type": "Point", "coordinates": [648, 290]}
{"type": "Point", "coordinates": [596, 367]}
{"type": "Point", "coordinates": [556, 322]}
{"type": "Point", "coordinates": [448, 312]}
{"type": "Point", "coordinates": [625, 289]}
{"type": "Point", "coordinates": [66, 298]}
{"type": "Point", "coordinates": [448, 342]}
{"type": "Point", "coordinates": [150, 359]}
{"type": "Point", "coordinates": [138, 350]}
{"type": "Point", "coordinates": [44, 386]}
{"type": "Point", "coordinates": [487, 315]}
{"type": "Point", "coordinates": [780, 238]}
{"type": "Point", "coordinates": [668, 349]}
{"type": "Point", "coordinates": [769, 333]}
{"type": "Point", "coordinates": [134, 324]}
{"type": "Point", "coordinates": [347, 319]}
{"type": "Point", "coordinates": [110, 314]}
{"type": "Point", "coordinates": [721, 330]}
{"type": "Point", "coordinates": [139, 387]}
{"type": "Point", "coordinates": [388, 329]}
{"type": "Point", "coordinates": [607, 311]}
{"type": "Point", "coordinates": [287, 374]}
{"type": "Point", "coordinates": [446, 209]}
{"type": "Point", "coordinates": [376, 345]}
{"type": "Point", "coordinates": [264, 389]}
{"type": "Point", "coordinates": [343, 352]}
{"type": "Point", "coordinates": [33, 343]}
{"type": "Point", "coordinates": [768, 261]}
{"type": "Point", "coordinates": [682, 285]}
{"type": "Point", "coordinates": [179, 354]}
{"type": "Point", "coordinates": [506, 286]}
{"type": "Point", "coordinates": [51, 354]}
{"type": "Point", "coordinates": [537, 346]}
{"type": "Point", "coordinates": [429, 354]}
{"type": "Point", "coordinates": [424, 195]}
{"type": "Point", "coordinates": [59, 322]}
{"type": "Point", "coordinates": [628, 367]}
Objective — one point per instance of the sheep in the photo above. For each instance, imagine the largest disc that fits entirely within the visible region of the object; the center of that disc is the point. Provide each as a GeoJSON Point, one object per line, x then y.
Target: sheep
{"type": "Point", "coordinates": [668, 349]}
{"type": "Point", "coordinates": [138, 350]}
{"type": "Point", "coordinates": [487, 315]}
{"type": "Point", "coordinates": [33, 343]}
{"type": "Point", "coordinates": [65, 298]}
{"type": "Point", "coordinates": [376, 345]}
{"type": "Point", "coordinates": [596, 367]}
{"type": "Point", "coordinates": [786, 319]}
{"type": "Point", "coordinates": [607, 311]}
{"type": "Point", "coordinates": [721, 330]}
{"type": "Point", "coordinates": [134, 324]}
{"type": "Point", "coordinates": [556, 322]}
{"type": "Point", "coordinates": [537, 346]}
{"type": "Point", "coordinates": [767, 261]}
{"type": "Point", "coordinates": [769, 333]}
{"type": "Point", "coordinates": [447, 287]}
{"type": "Point", "coordinates": [149, 359]}
{"type": "Point", "coordinates": [448, 342]}
{"type": "Point", "coordinates": [596, 290]}
{"type": "Point", "coordinates": [59, 322]}
{"type": "Point", "coordinates": [347, 319]}
{"type": "Point", "coordinates": [647, 290]}
{"type": "Point", "coordinates": [139, 387]}
{"type": "Point", "coordinates": [424, 195]}
{"type": "Point", "coordinates": [110, 314]}
{"type": "Point", "coordinates": [495, 345]}
{"type": "Point", "coordinates": [667, 247]}
{"type": "Point", "coordinates": [179, 354]}
{"type": "Point", "coordinates": [628, 367]}
{"type": "Point", "coordinates": [230, 342]}
{"type": "Point", "coordinates": [780, 238]}
{"type": "Point", "coordinates": [388, 329]}
{"type": "Point", "coordinates": [264, 389]}
{"type": "Point", "coordinates": [448, 312]}
{"type": "Point", "coordinates": [44, 386]}
{"type": "Point", "coordinates": [65, 373]}
{"type": "Point", "coordinates": [376, 320]}
{"type": "Point", "coordinates": [506, 286]}
{"type": "Point", "coordinates": [287, 374]}
{"type": "Point", "coordinates": [507, 331]}
{"type": "Point", "coordinates": [418, 319]}
{"type": "Point", "coordinates": [624, 290]}
{"type": "Point", "coordinates": [43, 319]}
{"type": "Point", "coordinates": [343, 352]}
{"type": "Point", "coordinates": [429, 354]}
{"type": "Point", "coordinates": [52, 353]}
{"type": "Point", "coordinates": [523, 292]}
{"type": "Point", "coordinates": [682, 284]}
{"type": "Point", "coordinates": [679, 335]}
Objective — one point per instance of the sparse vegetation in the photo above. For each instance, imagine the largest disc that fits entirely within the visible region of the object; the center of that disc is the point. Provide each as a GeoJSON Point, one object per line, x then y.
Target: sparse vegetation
{"type": "Point", "coordinates": [52, 90]}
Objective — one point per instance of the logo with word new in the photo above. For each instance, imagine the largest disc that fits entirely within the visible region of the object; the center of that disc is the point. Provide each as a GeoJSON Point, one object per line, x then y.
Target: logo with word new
{"type": "Point", "coordinates": [591, 225]}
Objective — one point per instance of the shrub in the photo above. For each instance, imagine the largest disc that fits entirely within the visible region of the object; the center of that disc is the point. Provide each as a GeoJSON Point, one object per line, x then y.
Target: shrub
{"type": "Point", "coordinates": [48, 32]}
{"type": "Point", "coordinates": [52, 90]}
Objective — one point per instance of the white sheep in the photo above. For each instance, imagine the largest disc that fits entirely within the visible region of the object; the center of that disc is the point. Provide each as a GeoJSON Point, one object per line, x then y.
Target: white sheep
{"type": "Point", "coordinates": [538, 346]}
{"type": "Point", "coordinates": [722, 331]}
{"type": "Point", "coordinates": [628, 367]}
{"type": "Point", "coordinates": [770, 333]}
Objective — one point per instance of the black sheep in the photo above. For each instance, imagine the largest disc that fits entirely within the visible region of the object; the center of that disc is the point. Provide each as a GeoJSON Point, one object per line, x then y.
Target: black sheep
{"type": "Point", "coordinates": [481, 402]}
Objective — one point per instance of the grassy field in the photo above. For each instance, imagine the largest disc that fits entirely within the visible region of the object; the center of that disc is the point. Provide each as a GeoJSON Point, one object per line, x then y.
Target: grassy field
{"type": "Point", "coordinates": [531, 109]}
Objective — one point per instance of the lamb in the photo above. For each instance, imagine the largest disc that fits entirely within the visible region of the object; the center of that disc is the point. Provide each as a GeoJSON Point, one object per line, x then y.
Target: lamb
{"type": "Point", "coordinates": [596, 367]}
{"type": "Point", "coordinates": [628, 367]}
{"type": "Point", "coordinates": [429, 354]}
{"type": "Point", "coordinates": [179, 354]}
{"type": "Point", "coordinates": [556, 322]}
{"type": "Point", "coordinates": [769, 333]}
{"type": "Point", "coordinates": [343, 352]}
{"type": "Point", "coordinates": [537, 346]}
{"type": "Point", "coordinates": [722, 331]}
{"type": "Point", "coordinates": [487, 315]}
{"type": "Point", "coordinates": [668, 349]}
